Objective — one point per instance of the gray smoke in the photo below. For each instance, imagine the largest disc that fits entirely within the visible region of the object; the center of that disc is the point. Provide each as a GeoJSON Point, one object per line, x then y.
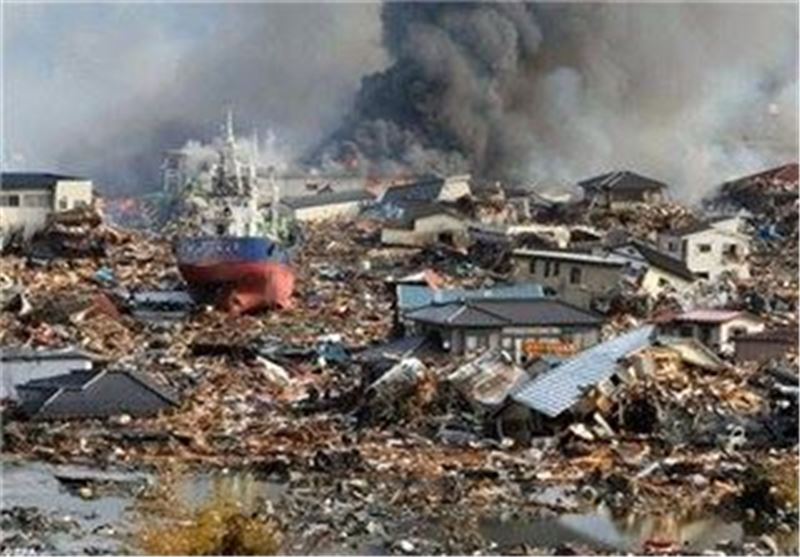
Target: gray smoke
{"type": "Point", "coordinates": [692, 94]}
{"type": "Point", "coordinates": [103, 90]}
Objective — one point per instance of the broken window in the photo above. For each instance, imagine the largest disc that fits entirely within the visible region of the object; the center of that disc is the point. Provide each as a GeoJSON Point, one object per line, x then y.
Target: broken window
{"type": "Point", "coordinates": [9, 201]}
{"type": "Point", "coordinates": [704, 248]}
{"type": "Point", "coordinates": [575, 275]}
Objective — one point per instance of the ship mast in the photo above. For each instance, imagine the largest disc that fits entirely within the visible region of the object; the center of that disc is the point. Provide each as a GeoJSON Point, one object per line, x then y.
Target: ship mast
{"type": "Point", "coordinates": [230, 144]}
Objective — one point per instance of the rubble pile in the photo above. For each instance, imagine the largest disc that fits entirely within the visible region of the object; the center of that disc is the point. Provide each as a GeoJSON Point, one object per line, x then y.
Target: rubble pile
{"type": "Point", "coordinates": [282, 394]}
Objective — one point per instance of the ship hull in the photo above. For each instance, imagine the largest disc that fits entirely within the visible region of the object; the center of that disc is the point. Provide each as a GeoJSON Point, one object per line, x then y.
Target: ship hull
{"type": "Point", "coordinates": [239, 274]}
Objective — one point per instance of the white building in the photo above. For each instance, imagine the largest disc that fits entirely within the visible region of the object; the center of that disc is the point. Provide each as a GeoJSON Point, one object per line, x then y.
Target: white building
{"type": "Point", "coordinates": [716, 328]}
{"type": "Point", "coordinates": [27, 198]}
{"type": "Point", "coordinates": [710, 248]}
{"type": "Point", "coordinates": [326, 206]}
{"type": "Point", "coordinates": [424, 225]}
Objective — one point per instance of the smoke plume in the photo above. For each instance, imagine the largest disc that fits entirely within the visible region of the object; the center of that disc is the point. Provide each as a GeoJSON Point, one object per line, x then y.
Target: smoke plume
{"type": "Point", "coordinates": [535, 93]}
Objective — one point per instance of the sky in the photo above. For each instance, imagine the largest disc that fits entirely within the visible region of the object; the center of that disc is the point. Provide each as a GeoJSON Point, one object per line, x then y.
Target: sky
{"type": "Point", "coordinates": [686, 93]}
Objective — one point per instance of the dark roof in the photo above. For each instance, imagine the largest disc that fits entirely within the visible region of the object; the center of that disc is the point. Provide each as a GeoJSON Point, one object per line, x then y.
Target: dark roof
{"type": "Point", "coordinates": [624, 180]}
{"type": "Point", "coordinates": [322, 199]}
{"type": "Point", "coordinates": [32, 180]}
{"type": "Point", "coordinates": [95, 393]}
{"type": "Point", "coordinates": [427, 189]}
{"type": "Point", "coordinates": [785, 173]}
{"type": "Point", "coordinates": [29, 354]}
{"type": "Point", "coordinates": [663, 261]}
{"type": "Point", "coordinates": [500, 313]}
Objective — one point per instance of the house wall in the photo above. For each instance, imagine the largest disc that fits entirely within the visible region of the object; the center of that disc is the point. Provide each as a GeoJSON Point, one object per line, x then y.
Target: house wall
{"type": "Point", "coordinates": [594, 279]}
{"type": "Point", "coordinates": [426, 230]}
{"type": "Point", "coordinates": [34, 205]}
{"type": "Point", "coordinates": [705, 252]}
{"type": "Point", "coordinates": [718, 336]}
{"type": "Point", "coordinates": [755, 350]}
{"type": "Point", "coordinates": [349, 209]}
{"type": "Point", "coordinates": [454, 187]}
{"type": "Point", "coordinates": [513, 339]}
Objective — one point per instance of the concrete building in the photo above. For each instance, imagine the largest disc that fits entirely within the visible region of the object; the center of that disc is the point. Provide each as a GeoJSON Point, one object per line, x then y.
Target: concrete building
{"type": "Point", "coordinates": [27, 198]}
{"type": "Point", "coordinates": [526, 328]}
{"type": "Point", "coordinates": [621, 190]}
{"type": "Point", "coordinates": [423, 225]}
{"type": "Point", "coordinates": [716, 328]}
{"type": "Point", "coordinates": [326, 206]}
{"type": "Point", "coordinates": [657, 271]}
{"type": "Point", "coordinates": [575, 277]}
{"type": "Point", "coordinates": [710, 248]}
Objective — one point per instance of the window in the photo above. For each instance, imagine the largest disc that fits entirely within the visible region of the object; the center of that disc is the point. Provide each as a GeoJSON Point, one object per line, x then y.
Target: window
{"type": "Point", "coordinates": [704, 248]}
{"type": "Point", "coordinates": [507, 342]}
{"type": "Point", "coordinates": [546, 268]}
{"type": "Point", "coordinates": [37, 200]}
{"type": "Point", "coordinates": [703, 275]}
{"type": "Point", "coordinates": [80, 203]}
{"type": "Point", "coordinates": [662, 282]}
{"type": "Point", "coordinates": [673, 246]}
{"type": "Point", "coordinates": [9, 201]}
{"type": "Point", "coordinates": [686, 331]}
{"type": "Point", "coordinates": [532, 266]}
{"type": "Point", "coordinates": [471, 343]}
{"type": "Point", "coordinates": [63, 203]}
{"type": "Point", "coordinates": [575, 275]}
{"type": "Point", "coordinates": [556, 268]}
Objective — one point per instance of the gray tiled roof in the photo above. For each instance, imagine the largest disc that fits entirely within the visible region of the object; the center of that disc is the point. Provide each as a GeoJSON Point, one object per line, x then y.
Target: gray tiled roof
{"type": "Point", "coordinates": [323, 199]}
{"type": "Point", "coordinates": [507, 312]}
{"type": "Point", "coordinates": [560, 388]}
{"type": "Point", "coordinates": [32, 180]}
{"type": "Point", "coordinates": [624, 180]}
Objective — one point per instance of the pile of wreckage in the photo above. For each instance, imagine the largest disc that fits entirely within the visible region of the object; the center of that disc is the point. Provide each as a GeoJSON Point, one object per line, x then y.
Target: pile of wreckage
{"type": "Point", "coordinates": [603, 355]}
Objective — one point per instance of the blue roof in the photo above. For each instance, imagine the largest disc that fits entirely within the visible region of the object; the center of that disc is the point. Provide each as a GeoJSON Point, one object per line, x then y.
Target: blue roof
{"type": "Point", "coordinates": [560, 388]}
{"type": "Point", "coordinates": [412, 296]}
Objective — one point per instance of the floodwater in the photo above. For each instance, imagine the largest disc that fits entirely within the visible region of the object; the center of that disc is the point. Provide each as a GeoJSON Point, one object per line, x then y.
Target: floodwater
{"type": "Point", "coordinates": [601, 531]}
{"type": "Point", "coordinates": [76, 525]}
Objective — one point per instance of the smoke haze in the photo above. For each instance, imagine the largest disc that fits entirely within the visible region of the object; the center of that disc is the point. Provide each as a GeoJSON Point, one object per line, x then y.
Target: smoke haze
{"type": "Point", "coordinates": [537, 93]}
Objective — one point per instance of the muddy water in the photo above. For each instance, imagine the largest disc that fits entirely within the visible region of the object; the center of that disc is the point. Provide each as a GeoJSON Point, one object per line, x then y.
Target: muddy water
{"type": "Point", "coordinates": [601, 531]}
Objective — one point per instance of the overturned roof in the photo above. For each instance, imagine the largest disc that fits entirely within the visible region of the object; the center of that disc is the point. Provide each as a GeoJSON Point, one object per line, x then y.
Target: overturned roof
{"type": "Point", "coordinates": [661, 260]}
{"type": "Point", "coordinates": [709, 316]}
{"type": "Point", "coordinates": [502, 313]}
{"type": "Point", "coordinates": [622, 181]}
{"type": "Point", "coordinates": [10, 181]}
{"type": "Point", "coordinates": [322, 199]}
{"type": "Point", "coordinates": [558, 389]}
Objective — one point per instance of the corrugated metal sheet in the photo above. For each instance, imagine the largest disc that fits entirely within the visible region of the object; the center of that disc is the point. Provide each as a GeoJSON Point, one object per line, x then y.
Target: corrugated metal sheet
{"type": "Point", "coordinates": [558, 389]}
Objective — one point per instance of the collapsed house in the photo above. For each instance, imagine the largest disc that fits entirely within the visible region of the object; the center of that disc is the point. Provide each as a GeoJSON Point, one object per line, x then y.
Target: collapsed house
{"type": "Point", "coordinates": [710, 248]}
{"type": "Point", "coordinates": [543, 401]}
{"type": "Point", "coordinates": [622, 190]}
{"type": "Point", "coordinates": [760, 192]}
{"type": "Point", "coordinates": [20, 365]}
{"type": "Point", "coordinates": [93, 394]}
{"type": "Point", "coordinates": [657, 271]}
{"type": "Point", "coordinates": [427, 190]}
